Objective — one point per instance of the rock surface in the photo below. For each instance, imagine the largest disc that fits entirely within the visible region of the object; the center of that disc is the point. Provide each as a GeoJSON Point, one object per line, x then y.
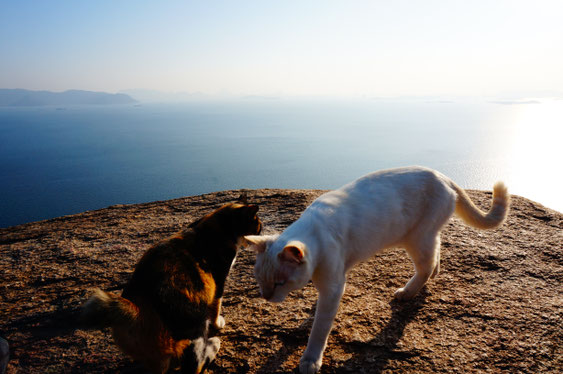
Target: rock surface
{"type": "Point", "coordinates": [495, 307]}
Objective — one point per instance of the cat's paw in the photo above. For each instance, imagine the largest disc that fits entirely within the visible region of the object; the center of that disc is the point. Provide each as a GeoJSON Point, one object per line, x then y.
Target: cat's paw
{"type": "Point", "coordinates": [309, 366]}
{"type": "Point", "coordinates": [211, 348]}
{"type": "Point", "coordinates": [219, 323]}
{"type": "Point", "coordinates": [402, 295]}
{"type": "Point", "coordinates": [213, 345]}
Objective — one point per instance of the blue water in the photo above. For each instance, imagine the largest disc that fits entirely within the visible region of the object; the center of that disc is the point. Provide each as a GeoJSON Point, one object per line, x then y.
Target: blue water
{"type": "Point", "coordinates": [59, 161]}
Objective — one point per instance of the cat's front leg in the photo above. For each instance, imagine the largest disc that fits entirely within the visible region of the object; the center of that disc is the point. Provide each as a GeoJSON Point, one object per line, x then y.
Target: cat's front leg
{"type": "Point", "coordinates": [215, 314]}
{"type": "Point", "coordinates": [327, 306]}
{"type": "Point", "coordinates": [199, 355]}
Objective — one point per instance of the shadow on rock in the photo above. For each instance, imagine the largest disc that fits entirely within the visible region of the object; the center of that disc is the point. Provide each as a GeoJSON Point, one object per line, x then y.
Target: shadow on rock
{"type": "Point", "coordinates": [375, 354]}
{"type": "Point", "coordinates": [41, 326]}
{"type": "Point", "coordinates": [292, 340]}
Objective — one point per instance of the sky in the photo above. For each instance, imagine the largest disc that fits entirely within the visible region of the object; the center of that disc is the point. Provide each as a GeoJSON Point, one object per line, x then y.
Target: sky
{"type": "Point", "coordinates": [334, 48]}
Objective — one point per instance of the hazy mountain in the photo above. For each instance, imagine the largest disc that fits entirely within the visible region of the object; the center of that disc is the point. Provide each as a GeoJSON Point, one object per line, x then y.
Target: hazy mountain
{"type": "Point", "coordinates": [154, 96]}
{"type": "Point", "coordinates": [19, 97]}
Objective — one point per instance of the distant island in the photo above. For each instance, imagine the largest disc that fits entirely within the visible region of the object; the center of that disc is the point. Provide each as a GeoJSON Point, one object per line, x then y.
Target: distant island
{"type": "Point", "coordinates": [20, 97]}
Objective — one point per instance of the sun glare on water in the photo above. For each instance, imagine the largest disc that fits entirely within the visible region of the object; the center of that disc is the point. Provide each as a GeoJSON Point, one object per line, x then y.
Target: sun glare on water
{"type": "Point", "coordinates": [534, 152]}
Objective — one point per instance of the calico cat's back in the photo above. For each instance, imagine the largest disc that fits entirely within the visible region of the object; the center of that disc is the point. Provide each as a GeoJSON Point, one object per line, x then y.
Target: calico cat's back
{"type": "Point", "coordinates": [168, 270]}
{"type": "Point", "coordinates": [171, 258]}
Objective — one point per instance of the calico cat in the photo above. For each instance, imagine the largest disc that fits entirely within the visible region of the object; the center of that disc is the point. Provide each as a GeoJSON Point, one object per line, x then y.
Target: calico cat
{"type": "Point", "coordinates": [399, 207]}
{"type": "Point", "coordinates": [162, 317]}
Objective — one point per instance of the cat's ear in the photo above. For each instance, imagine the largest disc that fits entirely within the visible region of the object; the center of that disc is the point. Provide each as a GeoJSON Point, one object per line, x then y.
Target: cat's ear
{"type": "Point", "coordinates": [252, 209]}
{"type": "Point", "coordinates": [293, 252]}
{"type": "Point", "coordinates": [243, 198]}
{"type": "Point", "coordinates": [259, 243]}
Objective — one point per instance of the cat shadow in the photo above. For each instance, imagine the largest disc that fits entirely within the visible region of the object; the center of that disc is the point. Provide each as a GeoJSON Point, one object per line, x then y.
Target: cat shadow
{"type": "Point", "coordinates": [380, 350]}
{"type": "Point", "coordinates": [293, 339]}
{"type": "Point", "coordinates": [374, 355]}
{"type": "Point", "coordinates": [46, 325]}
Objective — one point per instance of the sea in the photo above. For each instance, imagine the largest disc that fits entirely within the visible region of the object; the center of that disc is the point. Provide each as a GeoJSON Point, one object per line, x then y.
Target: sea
{"type": "Point", "coordinates": [57, 161]}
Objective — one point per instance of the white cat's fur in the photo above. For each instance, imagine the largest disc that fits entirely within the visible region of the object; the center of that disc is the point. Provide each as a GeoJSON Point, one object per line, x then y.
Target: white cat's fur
{"type": "Point", "coordinates": [404, 207]}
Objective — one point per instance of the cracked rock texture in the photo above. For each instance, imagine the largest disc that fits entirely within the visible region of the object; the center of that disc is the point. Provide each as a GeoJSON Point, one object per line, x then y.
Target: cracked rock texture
{"type": "Point", "coordinates": [495, 307]}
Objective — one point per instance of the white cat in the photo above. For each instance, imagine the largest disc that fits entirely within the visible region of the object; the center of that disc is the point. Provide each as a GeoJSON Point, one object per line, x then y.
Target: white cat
{"type": "Point", "coordinates": [399, 207]}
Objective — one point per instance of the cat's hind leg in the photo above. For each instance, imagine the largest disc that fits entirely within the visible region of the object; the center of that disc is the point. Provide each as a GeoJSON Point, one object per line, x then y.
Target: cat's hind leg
{"type": "Point", "coordinates": [425, 256]}
{"type": "Point", "coordinates": [423, 243]}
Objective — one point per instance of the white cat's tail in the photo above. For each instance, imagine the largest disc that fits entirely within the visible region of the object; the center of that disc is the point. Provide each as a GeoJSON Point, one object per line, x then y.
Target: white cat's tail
{"type": "Point", "coordinates": [473, 216]}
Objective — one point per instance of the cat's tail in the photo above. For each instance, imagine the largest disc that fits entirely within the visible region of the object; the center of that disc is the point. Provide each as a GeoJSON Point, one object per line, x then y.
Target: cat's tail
{"type": "Point", "coordinates": [105, 310]}
{"type": "Point", "coordinates": [473, 216]}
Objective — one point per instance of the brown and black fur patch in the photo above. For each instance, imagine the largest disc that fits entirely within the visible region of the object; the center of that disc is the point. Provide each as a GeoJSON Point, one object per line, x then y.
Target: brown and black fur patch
{"type": "Point", "coordinates": [163, 314]}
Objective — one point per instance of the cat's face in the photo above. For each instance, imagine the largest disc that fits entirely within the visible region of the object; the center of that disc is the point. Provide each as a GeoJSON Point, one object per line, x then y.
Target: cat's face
{"type": "Point", "coordinates": [280, 268]}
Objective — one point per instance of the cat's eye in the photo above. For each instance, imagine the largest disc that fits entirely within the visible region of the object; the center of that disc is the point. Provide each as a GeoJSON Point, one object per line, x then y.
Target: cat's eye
{"type": "Point", "coordinates": [279, 284]}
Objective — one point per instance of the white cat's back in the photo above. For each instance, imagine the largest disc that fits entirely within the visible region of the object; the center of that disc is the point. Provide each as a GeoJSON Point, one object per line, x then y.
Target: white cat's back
{"type": "Point", "coordinates": [378, 210]}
